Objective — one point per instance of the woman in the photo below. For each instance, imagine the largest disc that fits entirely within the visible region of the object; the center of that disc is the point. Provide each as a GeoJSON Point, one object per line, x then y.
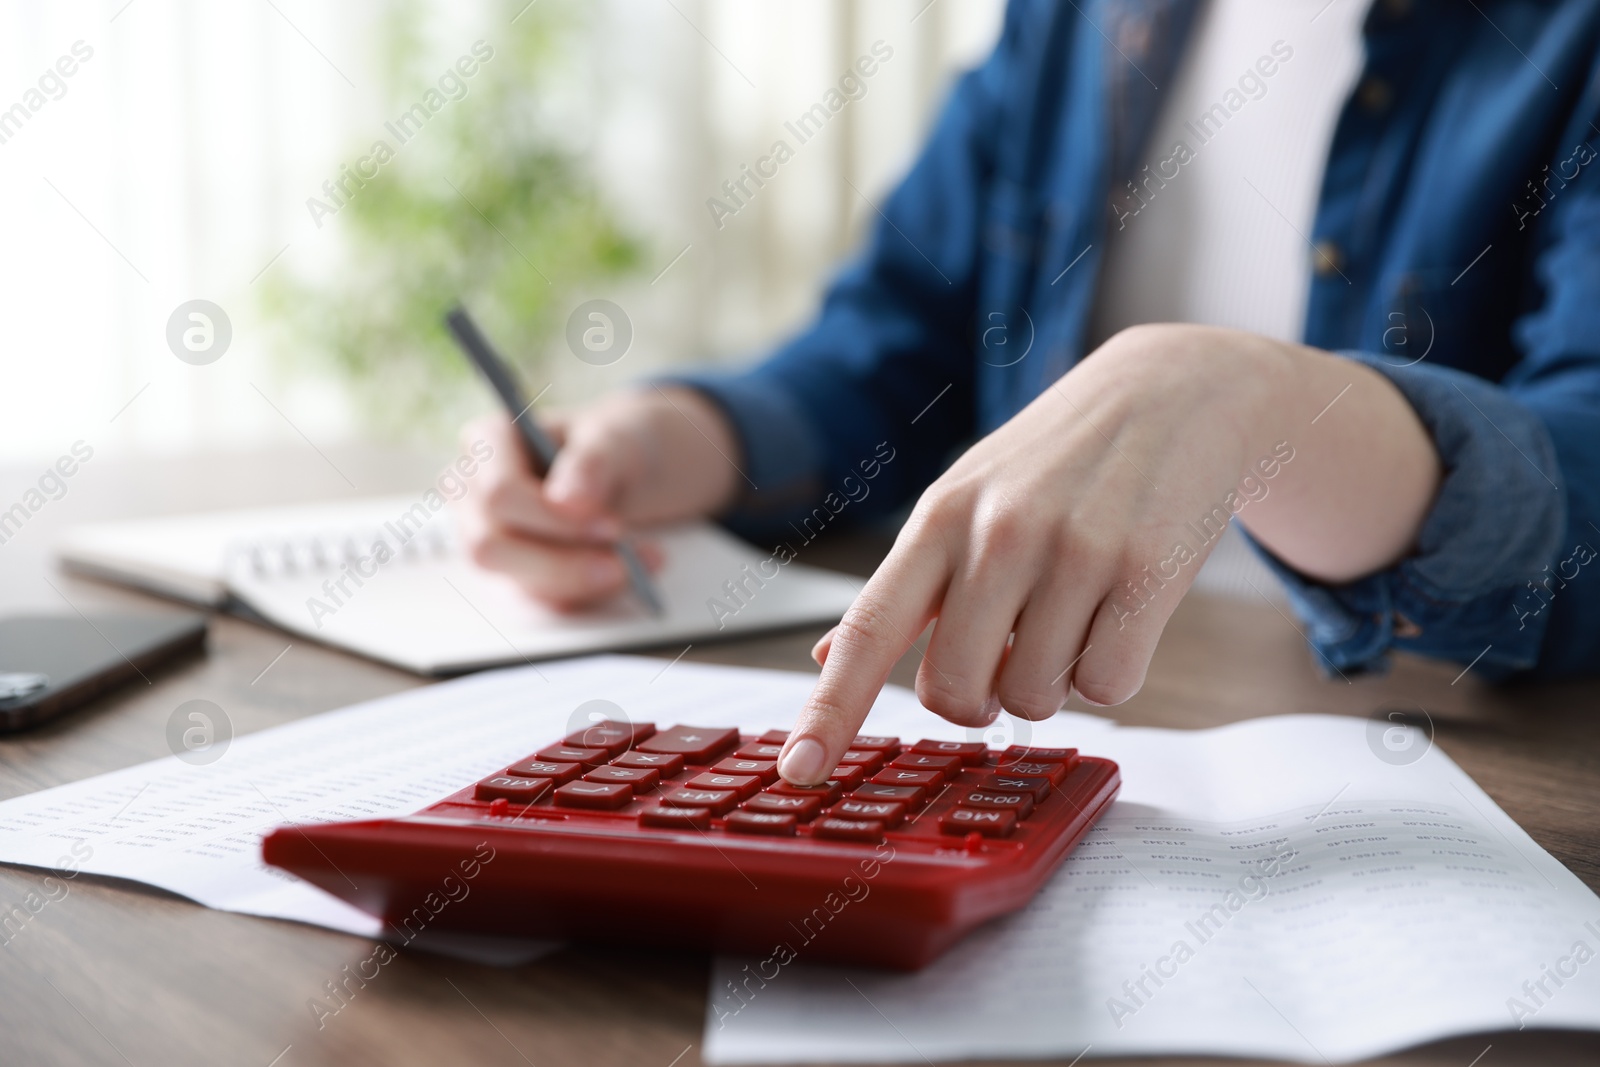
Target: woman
{"type": "Point", "coordinates": [1339, 280]}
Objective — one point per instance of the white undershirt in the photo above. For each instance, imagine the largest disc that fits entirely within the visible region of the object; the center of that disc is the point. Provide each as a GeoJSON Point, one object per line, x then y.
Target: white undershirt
{"type": "Point", "coordinates": [1206, 247]}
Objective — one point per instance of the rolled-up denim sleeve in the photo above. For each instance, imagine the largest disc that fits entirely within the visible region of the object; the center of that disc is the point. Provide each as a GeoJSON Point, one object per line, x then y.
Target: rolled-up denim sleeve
{"type": "Point", "coordinates": [1496, 527]}
{"type": "Point", "coordinates": [782, 458]}
{"type": "Point", "coordinates": [887, 367]}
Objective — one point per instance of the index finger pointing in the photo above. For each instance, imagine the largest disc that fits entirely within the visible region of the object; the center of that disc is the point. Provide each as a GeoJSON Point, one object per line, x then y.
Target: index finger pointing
{"type": "Point", "coordinates": [885, 619]}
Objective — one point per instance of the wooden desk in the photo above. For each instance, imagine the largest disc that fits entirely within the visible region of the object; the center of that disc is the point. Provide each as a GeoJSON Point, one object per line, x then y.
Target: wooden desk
{"type": "Point", "coordinates": [121, 974]}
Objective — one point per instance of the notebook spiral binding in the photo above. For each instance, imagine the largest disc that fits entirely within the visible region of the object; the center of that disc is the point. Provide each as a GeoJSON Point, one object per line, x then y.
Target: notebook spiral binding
{"type": "Point", "coordinates": [307, 554]}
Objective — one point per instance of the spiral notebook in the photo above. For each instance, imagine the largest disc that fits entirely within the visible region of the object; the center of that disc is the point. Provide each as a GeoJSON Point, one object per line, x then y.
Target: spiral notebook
{"type": "Point", "coordinates": [385, 578]}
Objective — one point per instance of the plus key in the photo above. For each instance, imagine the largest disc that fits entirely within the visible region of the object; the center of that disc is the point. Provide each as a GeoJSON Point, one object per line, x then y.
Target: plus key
{"type": "Point", "coordinates": [696, 744]}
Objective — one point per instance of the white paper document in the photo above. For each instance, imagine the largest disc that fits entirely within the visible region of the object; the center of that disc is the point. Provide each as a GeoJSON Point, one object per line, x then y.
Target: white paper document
{"type": "Point", "coordinates": [1273, 888]}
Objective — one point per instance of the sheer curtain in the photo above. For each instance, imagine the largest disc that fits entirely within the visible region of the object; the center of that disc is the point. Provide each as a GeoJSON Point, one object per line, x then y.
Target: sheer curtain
{"type": "Point", "coordinates": [174, 162]}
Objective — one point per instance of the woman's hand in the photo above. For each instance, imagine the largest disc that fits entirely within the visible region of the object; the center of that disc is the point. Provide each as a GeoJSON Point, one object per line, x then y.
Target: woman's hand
{"type": "Point", "coordinates": [644, 456]}
{"type": "Point", "coordinates": [1053, 552]}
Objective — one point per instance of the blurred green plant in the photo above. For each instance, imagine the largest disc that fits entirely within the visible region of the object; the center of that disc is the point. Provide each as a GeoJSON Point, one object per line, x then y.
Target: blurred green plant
{"type": "Point", "coordinates": [482, 204]}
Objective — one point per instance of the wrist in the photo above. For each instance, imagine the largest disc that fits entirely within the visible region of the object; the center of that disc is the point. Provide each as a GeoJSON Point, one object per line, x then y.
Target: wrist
{"type": "Point", "coordinates": [697, 446]}
{"type": "Point", "coordinates": [1364, 477]}
{"type": "Point", "coordinates": [1245, 389]}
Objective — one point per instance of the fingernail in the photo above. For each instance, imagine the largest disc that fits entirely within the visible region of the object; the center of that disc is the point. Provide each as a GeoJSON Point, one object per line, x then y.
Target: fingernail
{"type": "Point", "coordinates": [803, 763]}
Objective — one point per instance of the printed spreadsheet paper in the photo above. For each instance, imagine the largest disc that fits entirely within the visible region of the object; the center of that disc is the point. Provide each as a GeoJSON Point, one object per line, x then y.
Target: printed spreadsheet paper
{"type": "Point", "coordinates": [1404, 906]}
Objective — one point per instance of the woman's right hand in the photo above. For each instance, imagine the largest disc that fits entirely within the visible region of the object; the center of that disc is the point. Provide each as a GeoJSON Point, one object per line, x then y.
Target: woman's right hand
{"type": "Point", "coordinates": [642, 456]}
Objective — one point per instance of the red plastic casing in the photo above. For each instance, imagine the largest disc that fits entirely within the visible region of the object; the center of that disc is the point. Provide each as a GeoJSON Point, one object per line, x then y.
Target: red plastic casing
{"type": "Point", "coordinates": [544, 871]}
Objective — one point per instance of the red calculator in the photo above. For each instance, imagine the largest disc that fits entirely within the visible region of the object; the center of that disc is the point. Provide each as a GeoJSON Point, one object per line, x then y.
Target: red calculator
{"type": "Point", "coordinates": [686, 837]}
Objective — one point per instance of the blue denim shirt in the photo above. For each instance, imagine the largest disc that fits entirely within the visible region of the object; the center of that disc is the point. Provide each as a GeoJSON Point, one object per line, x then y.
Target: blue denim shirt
{"type": "Point", "coordinates": [1459, 237]}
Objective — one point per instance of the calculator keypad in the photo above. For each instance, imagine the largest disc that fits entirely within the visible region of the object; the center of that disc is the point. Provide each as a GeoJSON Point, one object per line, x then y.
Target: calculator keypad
{"type": "Point", "coordinates": [711, 780]}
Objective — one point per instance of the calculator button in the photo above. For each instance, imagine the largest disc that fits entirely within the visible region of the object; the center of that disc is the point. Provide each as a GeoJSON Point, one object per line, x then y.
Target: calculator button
{"type": "Point", "coordinates": [1024, 754]}
{"type": "Point", "coordinates": [901, 776]}
{"type": "Point", "coordinates": [717, 801]}
{"type": "Point", "coordinates": [612, 743]}
{"type": "Point", "coordinates": [745, 785]}
{"type": "Point", "coordinates": [863, 757]}
{"type": "Point", "coordinates": [505, 787]}
{"type": "Point", "coordinates": [1053, 771]}
{"type": "Point", "coordinates": [1038, 788]}
{"type": "Point", "coordinates": [538, 768]}
{"type": "Point", "coordinates": [803, 808]}
{"type": "Point", "coordinates": [978, 820]}
{"type": "Point", "coordinates": [586, 758]}
{"type": "Point", "coordinates": [696, 744]}
{"type": "Point", "coordinates": [909, 795]}
{"type": "Point", "coordinates": [970, 753]}
{"type": "Point", "coordinates": [667, 763]}
{"type": "Point", "coordinates": [876, 744]}
{"type": "Point", "coordinates": [643, 779]}
{"type": "Point", "coordinates": [829, 791]}
{"type": "Point", "coordinates": [946, 766]}
{"type": "Point", "coordinates": [1021, 803]}
{"type": "Point", "coordinates": [759, 751]}
{"type": "Point", "coordinates": [764, 769]}
{"type": "Point", "coordinates": [849, 776]}
{"type": "Point", "coordinates": [665, 818]}
{"type": "Point", "coordinates": [614, 737]}
{"type": "Point", "coordinates": [774, 737]}
{"type": "Point", "coordinates": [868, 831]}
{"type": "Point", "coordinates": [607, 796]}
{"type": "Point", "coordinates": [889, 812]}
{"type": "Point", "coordinates": [760, 822]}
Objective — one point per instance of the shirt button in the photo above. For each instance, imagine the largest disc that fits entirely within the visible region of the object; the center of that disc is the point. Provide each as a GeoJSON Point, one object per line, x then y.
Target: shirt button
{"type": "Point", "coordinates": [1374, 94]}
{"type": "Point", "coordinates": [1327, 259]}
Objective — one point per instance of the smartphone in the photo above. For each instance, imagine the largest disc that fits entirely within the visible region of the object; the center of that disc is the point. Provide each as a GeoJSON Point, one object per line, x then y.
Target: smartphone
{"type": "Point", "coordinates": [53, 663]}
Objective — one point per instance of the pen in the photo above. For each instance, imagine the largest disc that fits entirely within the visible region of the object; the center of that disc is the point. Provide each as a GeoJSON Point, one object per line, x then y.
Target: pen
{"type": "Point", "coordinates": [535, 442]}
